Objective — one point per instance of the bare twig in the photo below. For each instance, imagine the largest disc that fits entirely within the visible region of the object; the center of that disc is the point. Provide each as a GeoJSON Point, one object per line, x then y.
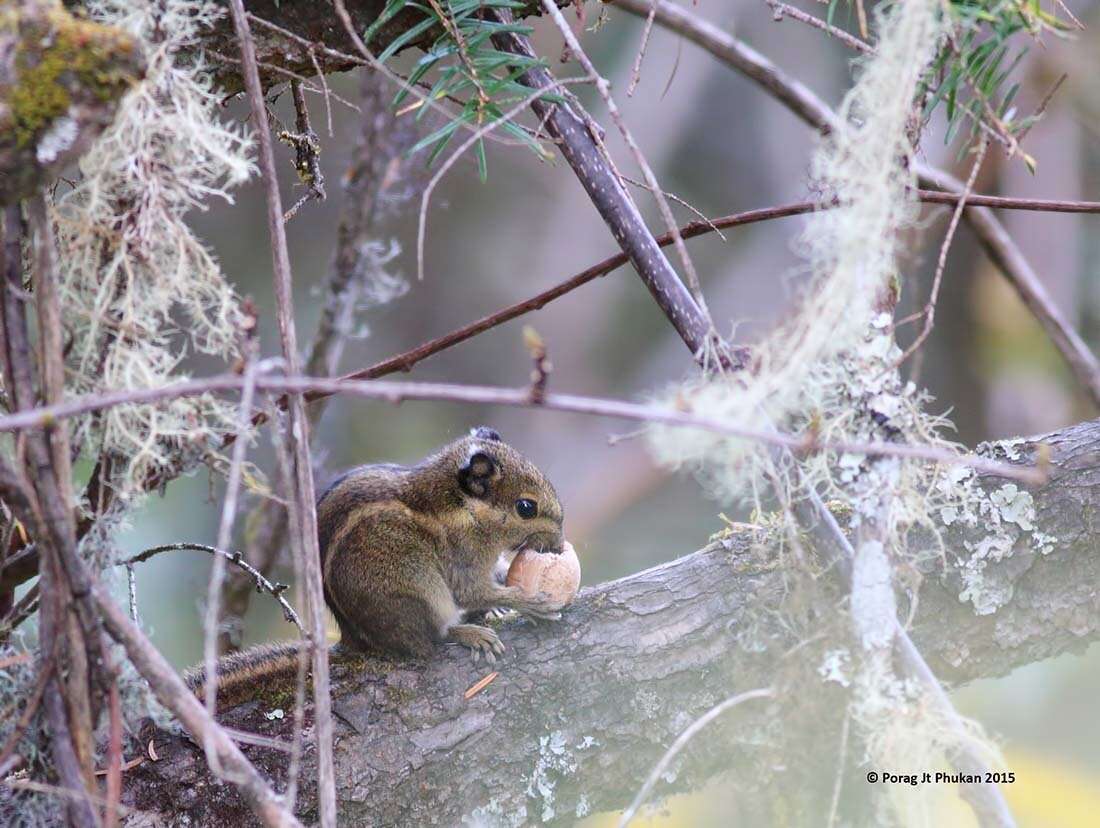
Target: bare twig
{"type": "Point", "coordinates": [636, 75]}
{"type": "Point", "coordinates": [689, 733]}
{"type": "Point", "coordinates": [305, 540]}
{"type": "Point", "coordinates": [272, 588]}
{"type": "Point", "coordinates": [397, 392]}
{"type": "Point", "coordinates": [324, 88]}
{"type": "Point", "coordinates": [842, 762]}
{"type": "Point", "coordinates": [288, 74]}
{"type": "Point", "coordinates": [929, 311]}
{"type": "Point", "coordinates": [604, 89]}
{"type": "Point", "coordinates": [1043, 104]}
{"type": "Point", "coordinates": [681, 201]}
{"type": "Point", "coordinates": [781, 10]}
{"type": "Point", "coordinates": [225, 536]}
{"type": "Point", "coordinates": [584, 154]}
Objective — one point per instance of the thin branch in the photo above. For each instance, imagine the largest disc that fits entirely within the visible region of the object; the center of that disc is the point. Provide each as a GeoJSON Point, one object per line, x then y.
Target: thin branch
{"type": "Point", "coordinates": [781, 10]}
{"type": "Point", "coordinates": [284, 461]}
{"type": "Point", "coordinates": [842, 753]}
{"type": "Point", "coordinates": [52, 522]}
{"type": "Point", "coordinates": [23, 609]}
{"type": "Point", "coordinates": [584, 154]}
{"type": "Point", "coordinates": [689, 733]}
{"type": "Point", "coordinates": [929, 311]}
{"type": "Point", "coordinates": [636, 75]}
{"type": "Point", "coordinates": [114, 757]}
{"type": "Point", "coordinates": [990, 799]}
{"type": "Point", "coordinates": [307, 152]}
{"type": "Point", "coordinates": [272, 588]}
{"type": "Point", "coordinates": [681, 201]}
{"type": "Point", "coordinates": [225, 535]}
{"type": "Point", "coordinates": [1040, 205]}
{"type": "Point", "coordinates": [604, 88]}
{"type": "Point", "coordinates": [397, 392]}
{"type": "Point", "coordinates": [304, 541]}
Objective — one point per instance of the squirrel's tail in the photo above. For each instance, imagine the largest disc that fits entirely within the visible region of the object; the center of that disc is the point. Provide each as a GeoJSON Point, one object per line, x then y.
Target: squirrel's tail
{"type": "Point", "coordinates": [241, 675]}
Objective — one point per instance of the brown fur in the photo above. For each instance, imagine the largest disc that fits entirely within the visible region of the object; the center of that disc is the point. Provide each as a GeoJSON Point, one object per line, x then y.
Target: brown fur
{"type": "Point", "coordinates": [407, 553]}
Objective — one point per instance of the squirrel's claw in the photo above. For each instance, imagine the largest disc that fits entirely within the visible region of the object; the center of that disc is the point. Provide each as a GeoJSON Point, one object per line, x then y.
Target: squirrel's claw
{"type": "Point", "coordinates": [482, 641]}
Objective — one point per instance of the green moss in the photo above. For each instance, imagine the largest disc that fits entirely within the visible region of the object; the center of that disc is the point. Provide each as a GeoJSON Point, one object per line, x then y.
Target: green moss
{"type": "Point", "coordinates": [60, 61]}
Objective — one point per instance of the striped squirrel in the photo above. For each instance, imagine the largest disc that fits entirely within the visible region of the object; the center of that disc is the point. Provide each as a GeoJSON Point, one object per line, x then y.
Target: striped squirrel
{"type": "Point", "coordinates": [410, 554]}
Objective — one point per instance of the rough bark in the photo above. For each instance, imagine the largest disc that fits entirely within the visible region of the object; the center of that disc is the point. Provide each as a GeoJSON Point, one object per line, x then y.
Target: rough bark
{"type": "Point", "coordinates": [316, 22]}
{"type": "Point", "coordinates": [61, 79]}
{"type": "Point", "coordinates": [583, 708]}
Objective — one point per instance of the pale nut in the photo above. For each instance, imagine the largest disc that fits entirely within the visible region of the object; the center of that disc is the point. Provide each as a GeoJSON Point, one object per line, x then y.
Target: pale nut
{"type": "Point", "coordinates": [557, 576]}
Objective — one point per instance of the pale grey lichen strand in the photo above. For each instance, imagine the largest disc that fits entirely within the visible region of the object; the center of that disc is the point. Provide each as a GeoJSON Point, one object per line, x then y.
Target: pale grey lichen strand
{"type": "Point", "coordinates": [131, 266]}
{"type": "Point", "coordinates": [831, 374]}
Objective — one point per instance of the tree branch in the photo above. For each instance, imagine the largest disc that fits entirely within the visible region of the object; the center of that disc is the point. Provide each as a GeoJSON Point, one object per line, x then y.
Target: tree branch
{"type": "Point", "coordinates": [300, 488]}
{"type": "Point", "coordinates": [581, 149]}
{"type": "Point", "coordinates": [666, 644]}
{"type": "Point", "coordinates": [61, 79]}
{"type": "Point", "coordinates": [992, 235]}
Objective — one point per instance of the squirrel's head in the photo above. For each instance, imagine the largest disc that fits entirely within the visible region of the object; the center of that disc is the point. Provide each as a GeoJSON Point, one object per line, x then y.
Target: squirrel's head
{"type": "Point", "coordinates": [507, 491]}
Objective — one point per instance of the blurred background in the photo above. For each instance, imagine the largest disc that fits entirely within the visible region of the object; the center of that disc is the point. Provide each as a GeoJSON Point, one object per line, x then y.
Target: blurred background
{"type": "Point", "coordinates": [718, 142]}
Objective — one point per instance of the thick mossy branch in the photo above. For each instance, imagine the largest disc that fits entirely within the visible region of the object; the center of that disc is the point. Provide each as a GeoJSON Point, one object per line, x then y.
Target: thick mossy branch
{"type": "Point", "coordinates": [316, 23]}
{"type": "Point", "coordinates": [61, 75]}
{"type": "Point", "coordinates": [582, 709]}
{"type": "Point", "coordinates": [61, 79]}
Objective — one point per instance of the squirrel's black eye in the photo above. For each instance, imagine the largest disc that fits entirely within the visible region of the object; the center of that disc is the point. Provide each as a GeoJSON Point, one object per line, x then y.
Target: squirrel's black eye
{"type": "Point", "coordinates": [526, 508]}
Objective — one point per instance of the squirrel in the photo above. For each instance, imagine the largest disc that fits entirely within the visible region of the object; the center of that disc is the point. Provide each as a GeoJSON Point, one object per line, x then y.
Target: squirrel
{"type": "Point", "coordinates": [410, 555]}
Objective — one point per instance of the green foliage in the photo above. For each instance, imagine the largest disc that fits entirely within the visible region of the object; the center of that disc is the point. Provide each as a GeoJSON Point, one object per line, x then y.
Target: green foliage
{"type": "Point", "coordinates": [972, 74]}
{"type": "Point", "coordinates": [463, 66]}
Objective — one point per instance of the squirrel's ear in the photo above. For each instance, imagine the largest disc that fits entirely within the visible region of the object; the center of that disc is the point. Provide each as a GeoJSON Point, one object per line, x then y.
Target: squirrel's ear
{"type": "Point", "coordinates": [478, 474]}
{"type": "Point", "coordinates": [485, 433]}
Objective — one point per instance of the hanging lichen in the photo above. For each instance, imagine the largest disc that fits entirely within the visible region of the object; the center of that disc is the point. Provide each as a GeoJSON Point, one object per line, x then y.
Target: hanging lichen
{"type": "Point", "coordinates": [140, 291]}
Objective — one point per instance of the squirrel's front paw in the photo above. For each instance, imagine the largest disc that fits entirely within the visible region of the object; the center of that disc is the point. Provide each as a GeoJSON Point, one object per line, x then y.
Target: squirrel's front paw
{"type": "Point", "coordinates": [480, 640]}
